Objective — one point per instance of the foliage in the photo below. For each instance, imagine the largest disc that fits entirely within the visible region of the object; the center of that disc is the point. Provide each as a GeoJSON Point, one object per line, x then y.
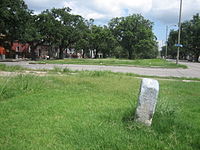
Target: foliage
{"type": "Point", "coordinates": [134, 33]}
{"type": "Point", "coordinates": [61, 31]}
{"type": "Point", "coordinates": [13, 17]}
{"type": "Point", "coordinates": [21, 84]}
{"type": "Point", "coordinates": [190, 35]}
{"type": "Point", "coordinates": [4, 67]}
{"type": "Point", "coordinates": [102, 41]}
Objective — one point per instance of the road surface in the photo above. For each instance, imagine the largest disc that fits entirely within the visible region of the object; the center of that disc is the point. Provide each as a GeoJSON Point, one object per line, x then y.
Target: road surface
{"type": "Point", "coordinates": [193, 70]}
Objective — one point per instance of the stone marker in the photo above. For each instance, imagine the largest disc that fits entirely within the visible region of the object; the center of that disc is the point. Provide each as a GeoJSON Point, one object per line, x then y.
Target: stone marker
{"type": "Point", "coordinates": [147, 101]}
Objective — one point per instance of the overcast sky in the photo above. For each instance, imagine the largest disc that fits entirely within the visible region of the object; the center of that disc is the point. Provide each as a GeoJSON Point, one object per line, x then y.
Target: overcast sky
{"type": "Point", "coordinates": [161, 12]}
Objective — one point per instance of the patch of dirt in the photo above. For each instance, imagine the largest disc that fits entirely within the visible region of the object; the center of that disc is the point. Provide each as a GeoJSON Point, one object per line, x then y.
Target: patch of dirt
{"type": "Point", "coordinates": [38, 73]}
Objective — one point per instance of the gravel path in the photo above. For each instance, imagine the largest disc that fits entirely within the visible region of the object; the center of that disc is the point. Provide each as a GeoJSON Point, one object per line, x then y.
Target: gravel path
{"type": "Point", "coordinates": [193, 70]}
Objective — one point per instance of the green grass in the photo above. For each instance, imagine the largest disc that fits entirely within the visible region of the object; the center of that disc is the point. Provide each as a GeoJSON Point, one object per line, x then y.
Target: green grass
{"type": "Point", "coordinates": [4, 67]}
{"type": "Point", "coordinates": [94, 110]}
{"type": "Point", "coordinates": [117, 62]}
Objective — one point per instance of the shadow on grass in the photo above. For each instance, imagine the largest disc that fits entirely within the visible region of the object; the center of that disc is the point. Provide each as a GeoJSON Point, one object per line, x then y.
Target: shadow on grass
{"type": "Point", "coordinates": [163, 121]}
{"type": "Point", "coordinates": [128, 121]}
{"type": "Point", "coordinates": [166, 124]}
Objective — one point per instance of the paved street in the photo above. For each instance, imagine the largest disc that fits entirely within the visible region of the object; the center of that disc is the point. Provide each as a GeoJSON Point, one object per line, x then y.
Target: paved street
{"type": "Point", "coordinates": [193, 70]}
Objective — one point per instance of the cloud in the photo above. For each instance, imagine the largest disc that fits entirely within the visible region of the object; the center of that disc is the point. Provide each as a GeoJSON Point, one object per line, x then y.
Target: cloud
{"type": "Point", "coordinates": [168, 11]}
{"type": "Point", "coordinates": [165, 11]}
{"type": "Point", "coordinates": [108, 8]}
{"type": "Point", "coordinates": [40, 5]}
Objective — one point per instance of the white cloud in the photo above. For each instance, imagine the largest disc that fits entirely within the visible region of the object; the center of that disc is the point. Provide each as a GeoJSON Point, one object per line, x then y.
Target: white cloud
{"type": "Point", "coordinates": [163, 10]}
{"type": "Point", "coordinates": [168, 11]}
{"type": "Point", "coordinates": [108, 8]}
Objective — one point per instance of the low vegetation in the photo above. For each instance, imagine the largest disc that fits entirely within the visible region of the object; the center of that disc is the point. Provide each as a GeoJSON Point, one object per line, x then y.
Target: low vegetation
{"type": "Point", "coordinates": [94, 110]}
{"type": "Point", "coordinates": [4, 67]}
{"type": "Point", "coordinates": [117, 62]}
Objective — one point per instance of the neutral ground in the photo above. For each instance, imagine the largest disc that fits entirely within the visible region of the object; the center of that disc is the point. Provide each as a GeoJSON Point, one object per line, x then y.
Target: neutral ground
{"type": "Point", "coordinates": [193, 70]}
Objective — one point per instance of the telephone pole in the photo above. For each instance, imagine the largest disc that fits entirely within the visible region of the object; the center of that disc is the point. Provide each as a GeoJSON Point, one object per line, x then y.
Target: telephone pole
{"type": "Point", "coordinates": [179, 32]}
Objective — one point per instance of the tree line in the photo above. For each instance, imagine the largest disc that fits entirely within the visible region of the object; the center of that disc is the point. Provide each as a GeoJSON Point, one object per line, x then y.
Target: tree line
{"type": "Point", "coordinates": [190, 39]}
{"type": "Point", "coordinates": [124, 37]}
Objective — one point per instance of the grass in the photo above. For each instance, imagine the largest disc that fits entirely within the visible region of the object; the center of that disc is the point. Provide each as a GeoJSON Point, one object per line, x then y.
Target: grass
{"type": "Point", "coordinates": [117, 62]}
{"type": "Point", "coordinates": [94, 110]}
{"type": "Point", "coordinates": [4, 67]}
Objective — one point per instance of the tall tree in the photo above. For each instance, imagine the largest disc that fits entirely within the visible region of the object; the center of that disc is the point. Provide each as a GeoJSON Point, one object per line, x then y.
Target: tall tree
{"type": "Point", "coordinates": [194, 36]}
{"type": "Point", "coordinates": [190, 35]}
{"type": "Point", "coordinates": [69, 29]}
{"type": "Point", "coordinates": [132, 32]}
{"type": "Point", "coordinates": [83, 42]}
{"type": "Point", "coordinates": [108, 43]}
{"type": "Point", "coordinates": [32, 34]}
{"type": "Point", "coordinates": [13, 18]}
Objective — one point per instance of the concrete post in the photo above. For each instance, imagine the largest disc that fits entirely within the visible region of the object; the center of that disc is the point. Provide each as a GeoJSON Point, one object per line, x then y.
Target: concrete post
{"type": "Point", "coordinates": [147, 101]}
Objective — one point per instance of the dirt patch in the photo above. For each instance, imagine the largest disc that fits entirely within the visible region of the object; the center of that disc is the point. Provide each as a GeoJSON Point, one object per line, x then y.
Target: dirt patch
{"type": "Point", "coordinates": [38, 73]}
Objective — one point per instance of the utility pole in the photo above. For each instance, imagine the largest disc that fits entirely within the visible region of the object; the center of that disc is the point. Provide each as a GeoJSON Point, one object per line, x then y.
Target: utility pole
{"type": "Point", "coordinates": [166, 42]}
{"type": "Point", "coordinates": [179, 32]}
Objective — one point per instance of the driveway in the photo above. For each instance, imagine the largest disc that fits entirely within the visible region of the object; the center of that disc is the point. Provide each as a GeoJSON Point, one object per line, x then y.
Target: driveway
{"type": "Point", "coordinates": [193, 70]}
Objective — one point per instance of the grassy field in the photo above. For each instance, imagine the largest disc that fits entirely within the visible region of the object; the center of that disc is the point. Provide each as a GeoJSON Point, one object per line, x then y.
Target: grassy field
{"type": "Point", "coordinates": [94, 110]}
{"type": "Point", "coordinates": [118, 62]}
{"type": "Point", "coordinates": [4, 67]}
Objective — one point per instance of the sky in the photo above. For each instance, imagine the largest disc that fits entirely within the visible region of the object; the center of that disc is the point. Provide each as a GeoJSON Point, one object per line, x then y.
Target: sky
{"type": "Point", "coordinates": [162, 12]}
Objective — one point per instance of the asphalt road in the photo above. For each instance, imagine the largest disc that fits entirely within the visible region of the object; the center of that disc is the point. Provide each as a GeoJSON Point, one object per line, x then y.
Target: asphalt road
{"type": "Point", "coordinates": [193, 70]}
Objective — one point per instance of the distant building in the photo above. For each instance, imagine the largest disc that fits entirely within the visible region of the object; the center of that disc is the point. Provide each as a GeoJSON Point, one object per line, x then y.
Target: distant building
{"type": "Point", "coordinates": [2, 52]}
{"type": "Point", "coordinates": [20, 50]}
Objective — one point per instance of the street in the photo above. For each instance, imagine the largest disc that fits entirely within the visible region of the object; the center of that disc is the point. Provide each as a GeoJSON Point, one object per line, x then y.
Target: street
{"type": "Point", "coordinates": [193, 70]}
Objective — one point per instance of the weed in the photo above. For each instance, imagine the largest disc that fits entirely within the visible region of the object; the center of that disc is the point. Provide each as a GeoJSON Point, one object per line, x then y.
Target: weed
{"type": "Point", "coordinates": [118, 62]}
{"type": "Point", "coordinates": [95, 110]}
{"type": "Point", "coordinates": [4, 67]}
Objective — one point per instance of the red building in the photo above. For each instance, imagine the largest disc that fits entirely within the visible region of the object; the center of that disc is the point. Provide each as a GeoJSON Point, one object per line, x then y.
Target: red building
{"type": "Point", "coordinates": [18, 47]}
{"type": "Point", "coordinates": [21, 50]}
{"type": "Point", "coordinates": [2, 51]}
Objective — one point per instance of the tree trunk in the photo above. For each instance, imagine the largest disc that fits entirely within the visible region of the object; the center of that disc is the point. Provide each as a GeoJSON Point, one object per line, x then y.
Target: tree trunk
{"type": "Point", "coordinates": [33, 48]}
{"type": "Point", "coordinates": [61, 54]}
{"type": "Point", "coordinates": [130, 55]}
{"type": "Point", "coordinates": [104, 55]}
{"type": "Point", "coordinates": [96, 54]}
{"type": "Point", "coordinates": [83, 55]}
{"type": "Point", "coordinates": [196, 58]}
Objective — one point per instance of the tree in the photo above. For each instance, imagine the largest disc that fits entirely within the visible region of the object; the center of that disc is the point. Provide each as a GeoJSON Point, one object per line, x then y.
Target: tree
{"type": "Point", "coordinates": [172, 49]}
{"type": "Point", "coordinates": [13, 18]}
{"type": "Point", "coordinates": [193, 33]}
{"type": "Point", "coordinates": [190, 35]}
{"type": "Point", "coordinates": [132, 32]}
{"type": "Point", "coordinates": [70, 28]}
{"type": "Point", "coordinates": [146, 49]}
{"type": "Point", "coordinates": [32, 35]}
{"type": "Point", "coordinates": [96, 39]}
{"type": "Point", "coordinates": [102, 40]}
{"type": "Point", "coordinates": [84, 42]}
{"type": "Point", "coordinates": [108, 43]}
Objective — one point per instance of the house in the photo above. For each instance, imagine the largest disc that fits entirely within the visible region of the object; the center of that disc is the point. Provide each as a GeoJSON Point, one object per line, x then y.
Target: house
{"type": "Point", "coordinates": [2, 52]}
{"type": "Point", "coordinates": [20, 50]}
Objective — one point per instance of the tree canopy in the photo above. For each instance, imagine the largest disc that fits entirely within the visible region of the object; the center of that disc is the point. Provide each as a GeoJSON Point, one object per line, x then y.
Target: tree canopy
{"type": "Point", "coordinates": [135, 35]}
{"type": "Point", "coordinates": [129, 36]}
{"type": "Point", "coordinates": [190, 35]}
{"type": "Point", "coordinates": [13, 17]}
